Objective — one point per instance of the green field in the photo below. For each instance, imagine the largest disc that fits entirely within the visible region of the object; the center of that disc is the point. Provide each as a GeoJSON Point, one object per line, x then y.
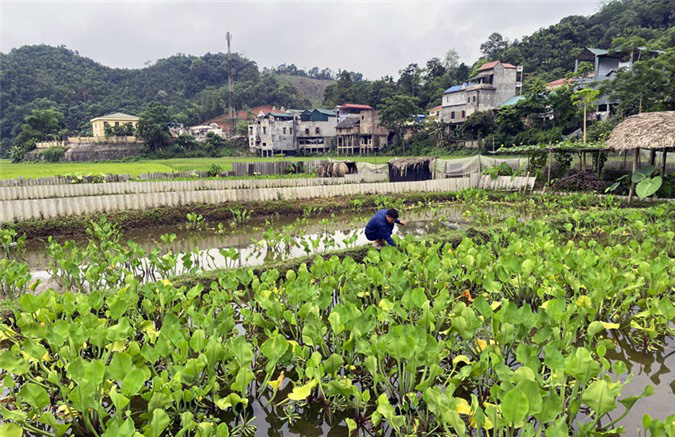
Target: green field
{"type": "Point", "coordinates": [9, 170]}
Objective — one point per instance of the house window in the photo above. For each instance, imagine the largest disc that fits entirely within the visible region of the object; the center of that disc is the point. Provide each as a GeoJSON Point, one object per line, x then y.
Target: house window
{"type": "Point", "coordinates": [474, 98]}
{"type": "Point", "coordinates": [468, 99]}
{"type": "Point", "coordinates": [452, 115]}
{"type": "Point", "coordinates": [463, 114]}
{"type": "Point", "coordinates": [284, 131]}
{"type": "Point", "coordinates": [117, 124]}
{"type": "Point", "coordinates": [250, 130]}
{"type": "Point", "coordinates": [264, 129]}
{"type": "Point", "coordinates": [264, 144]}
{"type": "Point", "coordinates": [363, 117]}
{"type": "Point", "coordinates": [306, 131]}
{"type": "Point", "coordinates": [317, 131]}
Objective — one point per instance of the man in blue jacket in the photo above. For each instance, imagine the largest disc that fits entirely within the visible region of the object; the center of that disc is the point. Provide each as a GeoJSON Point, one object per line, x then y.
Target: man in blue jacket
{"type": "Point", "coordinates": [380, 227]}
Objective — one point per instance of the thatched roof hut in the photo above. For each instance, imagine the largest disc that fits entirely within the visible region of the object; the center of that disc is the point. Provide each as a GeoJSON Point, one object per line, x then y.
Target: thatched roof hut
{"type": "Point", "coordinates": [649, 130]}
{"type": "Point", "coordinates": [410, 169]}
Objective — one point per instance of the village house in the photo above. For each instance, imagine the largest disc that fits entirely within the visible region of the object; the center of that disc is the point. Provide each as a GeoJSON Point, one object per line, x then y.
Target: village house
{"type": "Point", "coordinates": [606, 64]}
{"type": "Point", "coordinates": [272, 133]}
{"type": "Point", "coordinates": [201, 132]}
{"type": "Point", "coordinates": [350, 129]}
{"type": "Point", "coordinates": [435, 112]}
{"type": "Point", "coordinates": [358, 130]}
{"type": "Point", "coordinates": [494, 84]}
{"type": "Point", "coordinates": [117, 119]}
{"type": "Point", "coordinates": [316, 131]}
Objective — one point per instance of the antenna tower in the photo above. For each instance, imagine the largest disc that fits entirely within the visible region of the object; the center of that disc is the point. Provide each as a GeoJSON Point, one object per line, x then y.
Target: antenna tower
{"type": "Point", "coordinates": [230, 89]}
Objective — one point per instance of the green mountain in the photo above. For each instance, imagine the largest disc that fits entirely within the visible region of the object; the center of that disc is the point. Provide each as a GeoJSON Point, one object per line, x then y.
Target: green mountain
{"type": "Point", "coordinates": [41, 76]}
{"type": "Point", "coordinates": [552, 50]}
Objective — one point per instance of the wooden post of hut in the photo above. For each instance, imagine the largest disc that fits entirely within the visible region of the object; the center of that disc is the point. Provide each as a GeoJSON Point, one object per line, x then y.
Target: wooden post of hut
{"type": "Point", "coordinates": [663, 163]}
{"type": "Point", "coordinates": [550, 160]}
{"type": "Point", "coordinates": [635, 166]}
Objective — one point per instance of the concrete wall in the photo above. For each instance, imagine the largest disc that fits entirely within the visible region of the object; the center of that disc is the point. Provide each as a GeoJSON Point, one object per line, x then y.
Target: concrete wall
{"type": "Point", "coordinates": [13, 210]}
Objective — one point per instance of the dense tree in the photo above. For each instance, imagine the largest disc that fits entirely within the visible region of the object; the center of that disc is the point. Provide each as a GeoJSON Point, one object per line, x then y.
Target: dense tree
{"type": "Point", "coordinates": [153, 126]}
{"type": "Point", "coordinates": [494, 47]}
{"type": "Point", "coordinates": [479, 125]}
{"type": "Point", "coordinates": [557, 46]}
{"type": "Point", "coordinates": [396, 110]}
{"type": "Point", "coordinates": [410, 79]}
{"type": "Point", "coordinates": [39, 125]}
{"type": "Point", "coordinates": [648, 87]}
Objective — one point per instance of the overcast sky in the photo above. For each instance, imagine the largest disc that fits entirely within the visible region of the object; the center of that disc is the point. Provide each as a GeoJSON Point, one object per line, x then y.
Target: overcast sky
{"type": "Point", "coordinates": [376, 38]}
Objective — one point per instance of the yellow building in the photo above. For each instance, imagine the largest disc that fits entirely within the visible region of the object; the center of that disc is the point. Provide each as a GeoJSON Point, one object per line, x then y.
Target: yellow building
{"type": "Point", "coordinates": [98, 124]}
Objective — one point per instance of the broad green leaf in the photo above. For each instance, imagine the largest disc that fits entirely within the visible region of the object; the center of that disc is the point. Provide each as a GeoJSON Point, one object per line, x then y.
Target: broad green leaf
{"type": "Point", "coordinates": [581, 365]}
{"type": "Point", "coordinates": [34, 395]}
{"type": "Point", "coordinates": [515, 406]}
{"type": "Point", "coordinates": [332, 364]}
{"type": "Point", "coordinates": [13, 364]}
{"type": "Point", "coordinates": [599, 397]}
{"type": "Point", "coordinates": [230, 401]}
{"type": "Point", "coordinates": [242, 380]}
{"type": "Point", "coordinates": [10, 430]}
{"type": "Point", "coordinates": [351, 425]}
{"type": "Point", "coordinates": [198, 340]}
{"type": "Point", "coordinates": [134, 381]}
{"type": "Point", "coordinates": [648, 187]}
{"type": "Point", "coordinates": [160, 420]}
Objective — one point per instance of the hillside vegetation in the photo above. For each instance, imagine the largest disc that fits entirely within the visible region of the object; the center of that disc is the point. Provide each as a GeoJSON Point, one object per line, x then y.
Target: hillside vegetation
{"type": "Point", "coordinates": [307, 88]}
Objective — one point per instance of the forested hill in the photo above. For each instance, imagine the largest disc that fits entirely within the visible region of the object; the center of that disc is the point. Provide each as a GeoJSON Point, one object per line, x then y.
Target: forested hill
{"type": "Point", "coordinates": [41, 76]}
{"type": "Point", "coordinates": [553, 49]}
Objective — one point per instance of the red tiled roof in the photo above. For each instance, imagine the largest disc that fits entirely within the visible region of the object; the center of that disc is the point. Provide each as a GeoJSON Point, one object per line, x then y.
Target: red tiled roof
{"type": "Point", "coordinates": [354, 106]}
{"type": "Point", "coordinates": [436, 108]}
{"type": "Point", "coordinates": [492, 64]}
{"type": "Point", "coordinates": [557, 83]}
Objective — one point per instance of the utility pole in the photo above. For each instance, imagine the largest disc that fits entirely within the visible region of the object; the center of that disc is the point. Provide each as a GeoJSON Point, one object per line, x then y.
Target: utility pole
{"type": "Point", "coordinates": [230, 89]}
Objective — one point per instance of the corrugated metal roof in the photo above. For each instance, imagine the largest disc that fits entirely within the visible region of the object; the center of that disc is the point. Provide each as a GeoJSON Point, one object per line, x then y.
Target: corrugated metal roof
{"type": "Point", "coordinates": [512, 101]}
{"type": "Point", "coordinates": [453, 89]}
{"type": "Point", "coordinates": [116, 116]}
{"type": "Point", "coordinates": [327, 112]}
{"type": "Point", "coordinates": [597, 52]}
{"type": "Point", "coordinates": [280, 114]}
{"type": "Point", "coordinates": [354, 106]}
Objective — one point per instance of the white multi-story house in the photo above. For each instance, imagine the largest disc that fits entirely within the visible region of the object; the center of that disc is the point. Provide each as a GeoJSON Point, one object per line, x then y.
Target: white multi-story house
{"type": "Point", "coordinates": [495, 83]}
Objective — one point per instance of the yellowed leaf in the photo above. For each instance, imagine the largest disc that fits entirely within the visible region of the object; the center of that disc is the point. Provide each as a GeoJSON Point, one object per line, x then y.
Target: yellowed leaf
{"type": "Point", "coordinates": [462, 406]}
{"type": "Point", "coordinates": [608, 325]}
{"type": "Point", "coordinates": [461, 359]}
{"type": "Point", "coordinates": [302, 392]}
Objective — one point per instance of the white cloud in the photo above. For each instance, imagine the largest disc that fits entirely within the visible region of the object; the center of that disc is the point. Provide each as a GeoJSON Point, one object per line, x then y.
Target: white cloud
{"type": "Point", "coordinates": [375, 38]}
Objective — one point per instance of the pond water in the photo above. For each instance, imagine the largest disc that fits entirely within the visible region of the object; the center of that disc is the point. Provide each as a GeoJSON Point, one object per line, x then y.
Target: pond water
{"type": "Point", "coordinates": [255, 243]}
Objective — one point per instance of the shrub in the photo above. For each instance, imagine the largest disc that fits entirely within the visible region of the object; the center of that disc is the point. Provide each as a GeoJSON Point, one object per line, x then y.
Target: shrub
{"type": "Point", "coordinates": [215, 170]}
{"type": "Point", "coordinates": [53, 154]}
{"type": "Point", "coordinates": [576, 180]}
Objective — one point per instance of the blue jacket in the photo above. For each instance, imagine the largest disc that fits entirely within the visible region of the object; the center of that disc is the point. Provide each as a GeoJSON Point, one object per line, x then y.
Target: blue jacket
{"type": "Point", "coordinates": [379, 229]}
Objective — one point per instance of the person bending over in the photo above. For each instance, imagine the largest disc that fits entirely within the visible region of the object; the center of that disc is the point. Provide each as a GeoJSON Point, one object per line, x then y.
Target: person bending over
{"type": "Point", "coordinates": [380, 227]}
